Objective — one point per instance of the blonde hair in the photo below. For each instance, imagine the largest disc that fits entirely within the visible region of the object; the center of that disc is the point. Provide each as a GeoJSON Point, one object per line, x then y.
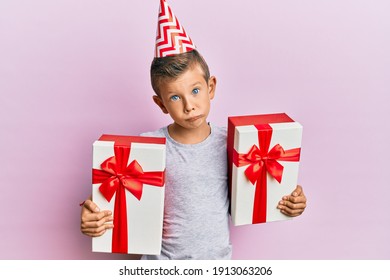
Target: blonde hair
{"type": "Point", "coordinates": [171, 67]}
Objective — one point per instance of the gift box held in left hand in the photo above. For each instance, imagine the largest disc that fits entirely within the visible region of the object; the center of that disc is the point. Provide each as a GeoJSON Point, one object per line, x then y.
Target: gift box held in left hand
{"type": "Point", "coordinates": [263, 154]}
{"type": "Point", "coordinates": [128, 179]}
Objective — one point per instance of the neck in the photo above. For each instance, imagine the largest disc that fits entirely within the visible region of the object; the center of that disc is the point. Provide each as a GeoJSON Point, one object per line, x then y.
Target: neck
{"type": "Point", "coordinates": [189, 136]}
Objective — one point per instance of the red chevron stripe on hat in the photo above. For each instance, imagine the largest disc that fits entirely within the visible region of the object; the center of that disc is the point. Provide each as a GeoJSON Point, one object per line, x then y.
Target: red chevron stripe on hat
{"type": "Point", "coordinates": [171, 37]}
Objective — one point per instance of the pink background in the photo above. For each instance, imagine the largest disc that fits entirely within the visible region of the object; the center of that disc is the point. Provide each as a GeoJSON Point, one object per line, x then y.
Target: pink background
{"type": "Point", "coordinates": [72, 70]}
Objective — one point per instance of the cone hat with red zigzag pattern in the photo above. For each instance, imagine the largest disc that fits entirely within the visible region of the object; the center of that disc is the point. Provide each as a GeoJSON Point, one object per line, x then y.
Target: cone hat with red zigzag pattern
{"type": "Point", "coordinates": [171, 37]}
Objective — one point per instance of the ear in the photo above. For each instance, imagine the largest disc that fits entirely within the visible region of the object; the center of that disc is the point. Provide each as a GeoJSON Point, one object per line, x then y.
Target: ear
{"type": "Point", "coordinates": [160, 103]}
{"type": "Point", "coordinates": [212, 86]}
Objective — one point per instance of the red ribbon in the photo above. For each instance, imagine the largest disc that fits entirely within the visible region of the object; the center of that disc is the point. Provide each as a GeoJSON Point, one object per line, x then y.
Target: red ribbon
{"type": "Point", "coordinates": [115, 177]}
{"type": "Point", "coordinates": [262, 160]}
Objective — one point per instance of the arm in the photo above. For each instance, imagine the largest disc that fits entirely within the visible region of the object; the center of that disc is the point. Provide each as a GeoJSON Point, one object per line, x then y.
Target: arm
{"type": "Point", "coordinates": [294, 204]}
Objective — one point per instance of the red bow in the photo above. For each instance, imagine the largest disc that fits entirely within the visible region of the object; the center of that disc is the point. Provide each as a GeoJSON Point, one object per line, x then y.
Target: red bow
{"type": "Point", "coordinates": [258, 159]}
{"type": "Point", "coordinates": [116, 176]}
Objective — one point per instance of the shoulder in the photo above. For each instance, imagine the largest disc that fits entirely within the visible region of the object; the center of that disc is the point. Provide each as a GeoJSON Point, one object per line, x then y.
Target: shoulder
{"type": "Point", "coordinates": [157, 133]}
{"type": "Point", "coordinates": [219, 130]}
{"type": "Point", "coordinates": [220, 133]}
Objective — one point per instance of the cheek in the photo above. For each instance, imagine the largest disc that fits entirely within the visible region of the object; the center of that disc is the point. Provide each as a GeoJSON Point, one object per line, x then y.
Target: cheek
{"type": "Point", "coordinates": [206, 101]}
{"type": "Point", "coordinates": [174, 109]}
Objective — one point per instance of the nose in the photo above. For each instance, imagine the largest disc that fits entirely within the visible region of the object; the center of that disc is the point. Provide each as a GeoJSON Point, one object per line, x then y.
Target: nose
{"type": "Point", "coordinates": [188, 106]}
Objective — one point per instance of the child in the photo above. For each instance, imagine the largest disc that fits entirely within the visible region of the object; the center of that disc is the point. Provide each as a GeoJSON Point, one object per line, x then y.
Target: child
{"type": "Point", "coordinates": [196, 195]}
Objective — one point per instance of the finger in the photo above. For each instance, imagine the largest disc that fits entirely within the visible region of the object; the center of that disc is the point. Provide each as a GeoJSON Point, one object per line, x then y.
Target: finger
{"type": "Point", "coordinates": [93, 229]}
{"type": "Point", "coordinates": [297, 195]}
{"type": "Point", "coordinates": [95, 232]}
{"type": "Point", "coordinates": [96, 224]}
{"type": "Point", "coordinates": [289, 208]}
{"type": "Point", "coordinates": [291, 213]}
{"type": "Point", "coordinates": [97, 228]}
{"type": "Point", "coordinates": [292, 205]}
{"type": "Point", "coordinates": [295, 199]}
{"type": "Point", "coordinates": [91, 206]}
{"type": "Point", "coordinates": [90, 217]}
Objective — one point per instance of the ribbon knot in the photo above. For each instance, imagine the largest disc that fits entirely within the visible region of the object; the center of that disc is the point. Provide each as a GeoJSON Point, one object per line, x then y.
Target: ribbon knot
{"type": "Point", "coordinates": [115, 173]}
{"type": "Point", "coordinates": [259, 158]}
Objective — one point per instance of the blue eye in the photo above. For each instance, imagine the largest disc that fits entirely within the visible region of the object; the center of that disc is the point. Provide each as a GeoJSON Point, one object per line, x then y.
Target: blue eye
{"type": "Point", "coordinates": [174, 97]}
{"type": "Point", "coordinates": [195, 91]}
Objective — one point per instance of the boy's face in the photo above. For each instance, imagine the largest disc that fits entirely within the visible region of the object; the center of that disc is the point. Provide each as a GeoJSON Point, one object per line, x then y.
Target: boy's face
{"type": "Point", "coordinates": [187, 99]}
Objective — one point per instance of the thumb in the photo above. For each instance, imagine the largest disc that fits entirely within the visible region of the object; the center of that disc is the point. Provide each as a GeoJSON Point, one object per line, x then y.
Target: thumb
{"type": "Point", "coordinates": [91, 206]}
{"type": "Point", "coordinates": [297, 191]}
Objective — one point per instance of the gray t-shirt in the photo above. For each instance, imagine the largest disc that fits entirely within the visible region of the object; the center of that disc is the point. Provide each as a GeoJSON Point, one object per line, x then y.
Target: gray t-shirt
{"type": "Point", "coordinates": [196, 199]}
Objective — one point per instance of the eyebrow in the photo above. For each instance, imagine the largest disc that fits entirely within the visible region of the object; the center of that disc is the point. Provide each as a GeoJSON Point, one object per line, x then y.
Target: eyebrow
{"type": "Point", "coordinates": [195, 84]}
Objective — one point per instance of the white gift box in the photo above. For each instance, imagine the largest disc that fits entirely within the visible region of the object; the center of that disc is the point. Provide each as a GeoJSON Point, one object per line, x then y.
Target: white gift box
{"type": "Point", "coordinates": [243, 134]}
{"type": "Point", "coordinates": [144, 215]}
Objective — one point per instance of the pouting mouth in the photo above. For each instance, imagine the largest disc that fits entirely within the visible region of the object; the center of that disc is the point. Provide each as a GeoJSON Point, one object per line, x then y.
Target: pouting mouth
{"type": "Point", "coordinates": [194, 118]}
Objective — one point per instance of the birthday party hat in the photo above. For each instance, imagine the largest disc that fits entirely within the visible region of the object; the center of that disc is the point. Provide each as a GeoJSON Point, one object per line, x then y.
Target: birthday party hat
{"type": "Point", "coordinates": [171, 37]}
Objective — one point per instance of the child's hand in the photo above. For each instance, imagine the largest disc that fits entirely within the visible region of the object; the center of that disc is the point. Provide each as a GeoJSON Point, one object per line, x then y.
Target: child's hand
{"type": "Point", "coordinates": [93, 221]}
{"type": "Point", "coordinates": [293, 205]}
